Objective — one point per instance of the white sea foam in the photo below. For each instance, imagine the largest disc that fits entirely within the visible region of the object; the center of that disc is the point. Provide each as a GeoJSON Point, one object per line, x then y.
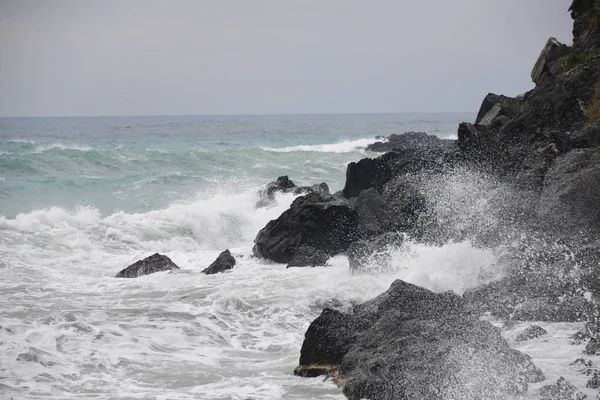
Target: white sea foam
{"type": "Point", "coordinates": [346, 146]}
{"type": "Point", "coordinates": [60, 146]}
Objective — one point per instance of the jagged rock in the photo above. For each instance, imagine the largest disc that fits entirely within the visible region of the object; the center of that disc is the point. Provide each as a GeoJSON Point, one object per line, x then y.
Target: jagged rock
{"type": "Point", "coordinates": [374, 251]}
{"type": "Point", "coordinates": [147, 266]}
{"type": "Point", "coordinates": [284, 184]}
{"type": "Point", "coordinates": [410, 343]}
{"type": "Point", "coordinates": [495, 106]}
{"type": "Point", "coordinates": [307, 256]}
{"type": "Point", "coordinates": [594, 381]}
{"type": "Point", "coordinates": [373, 214]}
{"type": "Point", "coordinates": [408, 139]}
{"type": "Point", "coordinates": [571, 193]}
{"type": "Point", "coordinates": [365, 174]}
{"type": "Point", "coordinates": [532, 332]}
{"type": "Point", "coordinates": [561, 390]}
{"type": "Point", "coordinates": [223, 262]}
{"type": "Point", "coordinates": [324, 222]}
{"type": "Point", "coordinates": [405, 201]}
{"type": "Point", "coordinates": [548, 64]}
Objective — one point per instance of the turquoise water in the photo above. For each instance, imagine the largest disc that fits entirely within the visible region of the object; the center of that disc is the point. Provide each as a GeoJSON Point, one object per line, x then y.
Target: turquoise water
{"type": "Point", "coordinates": [137, 164]}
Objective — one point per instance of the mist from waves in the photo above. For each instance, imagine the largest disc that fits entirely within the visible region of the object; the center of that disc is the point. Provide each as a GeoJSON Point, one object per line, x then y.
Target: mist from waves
{"type": "Point", "coordinates": [69, 329]}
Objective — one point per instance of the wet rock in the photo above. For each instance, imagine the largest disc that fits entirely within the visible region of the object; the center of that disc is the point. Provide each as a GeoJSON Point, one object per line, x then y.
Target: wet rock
{"type": "Point", "coordinates": [224, 262]}
{"type": "Point", "coordinates": [284, 184]}
{"type": "Point", "coordinates": [405, 202]}
{"type": "Point", "coordinates": [532, 332]}
{"type": "Point", "coordinates": [412, 343]}
{"type": "Point", "coordinates": [307, 256]}
{"type": "Point", "coordinates": [408, 139]}
{"type": "Point", "coordinates": [147, 266]}
{"type": "Point", "coordinates": [495, 106]}
{"type": "Point", "coordinates": [594, 381]}
{"type": "Point", "coordinates": [321, 221]}
{"type": "Point", "coordinates": [561, 390]}
{"type": "Point", "coordinates": [373, 251]}
{"type": "Point", "coordinates": [571, 191]}
{"type": "Point", "coordinates": [548, 65]}
{"type": "Point", "coordinates": [365, 174]}
{"type": "Point", "coordinates": [373, 214]}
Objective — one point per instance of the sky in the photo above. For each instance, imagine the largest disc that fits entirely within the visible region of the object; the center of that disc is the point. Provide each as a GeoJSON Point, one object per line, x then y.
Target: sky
{"type": "Point", "coordinates": [197, 57]}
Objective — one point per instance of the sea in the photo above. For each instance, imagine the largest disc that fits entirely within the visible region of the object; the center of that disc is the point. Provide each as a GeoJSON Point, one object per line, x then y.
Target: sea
{"type": "Point", "coordinates": [83, 198]}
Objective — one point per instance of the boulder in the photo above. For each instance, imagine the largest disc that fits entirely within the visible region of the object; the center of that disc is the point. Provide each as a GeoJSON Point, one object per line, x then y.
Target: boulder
{"type": "Point", "coordinates": [571, 192]}
{"type": "Point", "coordinates": [365, 174]}
{"type": "Point", "coordinates": [223, 262]}
{"type": "Point", "coordinates": [405, 202]}
{"type": "Point", "coordinates": [154, 263]}
{"type": "Point", "coordinates": [561, 390]}
{"type": "Point", "coordinates": [364, 254]}
{"type": "Point", "coordinates": [495, 106]}
{"type": "Point", "coordinates": [531, 332]}
{"type": "Point", "coordinates": [321, 221]}
{"type": "Point", "coordinates": [411, 343]}
{"type": "Point", "coordinates": [408, 139]}
{"type": "Point", "coordinates": [284, 184]}
{"type": "Point", "coordinates": [548, 66]}
{"type": "Point", "coordinates": [307, 256]}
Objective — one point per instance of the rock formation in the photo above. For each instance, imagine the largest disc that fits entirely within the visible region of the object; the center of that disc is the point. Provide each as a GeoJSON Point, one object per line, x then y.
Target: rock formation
{"type": "Point", "coordinates": [147, 266]}
{"type": "Point", "coordinates": [224, 262]}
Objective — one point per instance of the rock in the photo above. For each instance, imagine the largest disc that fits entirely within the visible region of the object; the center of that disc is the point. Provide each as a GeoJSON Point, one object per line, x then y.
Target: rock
{"type": "Point", "coordinates": [495, 106]}
{"type": "Point", "coordinates": [322, 221]}
{"type": "Point", "coordinates": [532, 332]}
{"type": "Point", "coordinates": [365, 174]}
{"type": "Point", "coordinates": [307, 256]}
{"type": "Point", "coordinates": [594, 381]}
{"type": "Point", "coordinates": [412, 343]}
{"type": "Point", "coordinates": [408, 139]}
{"type": "Point", "coordinates": [223, 262]}
{"type": "Point", "coordinates": [405, 203]}
{"type": "Point", "coordinates": [147, 266]}
{"type": "Point", "coordinates": [375, 251]}
{"type": "Point", "coordinates": [373, 215]}
{"type": "Point", "coordinates": [571, 192]}
{"type": "Point", "coordinates": [548, 64]}
{"type": "Point", "coordinates": [561, 390]}
{"type": "Point", "coordinates": [284, 184]}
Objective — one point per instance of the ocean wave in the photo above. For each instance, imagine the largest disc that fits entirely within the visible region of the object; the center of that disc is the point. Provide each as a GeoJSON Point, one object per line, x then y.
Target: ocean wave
{"type": "Point", "coordinates": [60, 146]}
{"type": "Point", "coordinates": [346, 146]}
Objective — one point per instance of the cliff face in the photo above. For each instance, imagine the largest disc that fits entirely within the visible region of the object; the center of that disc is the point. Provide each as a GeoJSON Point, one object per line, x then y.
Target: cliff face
{"type": "Point", "coordinates": [520, 138]}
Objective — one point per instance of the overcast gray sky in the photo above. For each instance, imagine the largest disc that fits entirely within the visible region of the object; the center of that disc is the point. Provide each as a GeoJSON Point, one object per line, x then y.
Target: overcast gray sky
{"type": "Point", "coordinates": [134, 57]}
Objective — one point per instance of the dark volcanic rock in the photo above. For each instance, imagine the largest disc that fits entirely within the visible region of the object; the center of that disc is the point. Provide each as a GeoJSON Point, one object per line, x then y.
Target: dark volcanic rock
{"type": "Point", "coordinates": [408, 139]}
{"type": "Point", "coordinates": [223, 262]}
{"type": "Point", "coordinates": [405, 202]}
{"type": "Point", "coordinates": [373, 213]}
{"type": "Point", "coordinates": [571, 194]}
{"type": "Point", "coordinates": [410, 343]}
{"type": "Point", "coordinates": [548, 65]}
{"type": "Point", "coordinates": [365, 174]}
{"type": "Point", "coordinates": [284, 184]}
{"type": "Point", "coordinates": [561, 390]}
{"type": "Point", "coordinates": [495, 106]}
{"type": "Point", "coordinates": [147, 266]}
{"type": "Point", "coordinates": [307, 256]}
{"type": "Point", "coordinates": [324, 222]}
{"type": "Point", "coordinates": [374, 251]}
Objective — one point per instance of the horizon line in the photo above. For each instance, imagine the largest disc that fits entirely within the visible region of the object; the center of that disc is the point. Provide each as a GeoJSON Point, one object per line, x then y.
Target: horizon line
{"type": "Point", "coordinates": [231, 115]}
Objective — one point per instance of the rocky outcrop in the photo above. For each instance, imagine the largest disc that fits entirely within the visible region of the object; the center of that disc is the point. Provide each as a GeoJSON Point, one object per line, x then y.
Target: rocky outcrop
{"type": "Point", "coordinates": [411, 343]}
{"type": "Point", "coordinates": [224, 262]}
{"type": "Point", "coordinates": [531, 332]}
{"type": "Point", "coordinates": [561, 390]}
{"type": "Point", "coordinates": [147, 266]}
{"type": "Point", "coordinates": [548, 65]}
{"type": "Point", "coordinates": [408, 139]}
{"type": "Point", "coordinates": [284, 184]}
{"type": "Point", "coordinates": [323, 222]}
{"type": "Point", "coordinates": [571, 193]}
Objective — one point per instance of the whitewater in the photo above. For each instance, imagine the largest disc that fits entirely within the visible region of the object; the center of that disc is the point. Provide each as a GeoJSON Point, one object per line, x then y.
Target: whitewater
{"type": "Point", "coordinates": [82, 198]}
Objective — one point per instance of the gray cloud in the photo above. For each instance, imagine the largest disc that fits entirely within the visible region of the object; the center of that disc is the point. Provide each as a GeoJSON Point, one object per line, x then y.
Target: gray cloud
{"type": "Point", "coordinates": [133, 57]}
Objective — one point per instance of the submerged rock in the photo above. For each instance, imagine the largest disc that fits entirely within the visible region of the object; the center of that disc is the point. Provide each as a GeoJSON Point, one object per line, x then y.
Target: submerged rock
{"type": "Point", "coordinates": [321, 221]}
{"type": "Point", "coordinates": [411, 343]}
{"type": "Point", "coordinates": [223, 262]}
{"type": "Point", "coordinates": [147, 266]}
{"type": "Point", "coordinates": [372, 251]}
